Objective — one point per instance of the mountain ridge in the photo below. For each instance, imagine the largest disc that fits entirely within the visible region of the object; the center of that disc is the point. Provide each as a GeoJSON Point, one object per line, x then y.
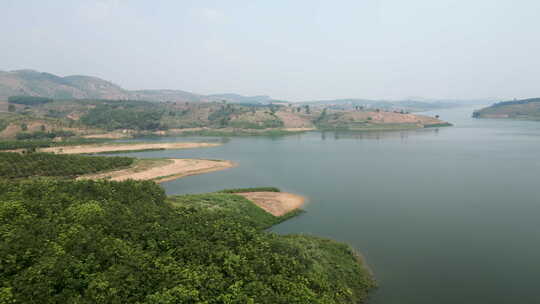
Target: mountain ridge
{"type": "Point", "coordinates": [35, 83]}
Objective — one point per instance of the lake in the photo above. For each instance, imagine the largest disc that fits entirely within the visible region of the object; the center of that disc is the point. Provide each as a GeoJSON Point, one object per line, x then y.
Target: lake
{"type": "Point", "coordinates": [448, 215]}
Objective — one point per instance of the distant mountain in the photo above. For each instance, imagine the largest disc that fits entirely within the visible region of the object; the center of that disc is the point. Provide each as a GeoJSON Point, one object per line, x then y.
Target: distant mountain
{"type": "Point", "coordinates": [34, 83]}
{"type": "Point", "coordinates": [235, 98]}
{"type": "Point", "coordinates": [528, 109]}
{"type": "Point", "coordinates": [166, 95]}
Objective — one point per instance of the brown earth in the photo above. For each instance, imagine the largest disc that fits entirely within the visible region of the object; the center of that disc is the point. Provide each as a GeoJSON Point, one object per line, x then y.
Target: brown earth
{"type": "Point", "coordinates": [162, 170]}
{"type": "Point", "coordinates": [275, 203]}
{"type": "Point", "coordinates": [102, 148]}
{"type": "Point", "coordinates": [291, 120]}
{"type": "Point", "coordinates": [392, 118]}
{"type": "Point", "coordinates": [113, 135]}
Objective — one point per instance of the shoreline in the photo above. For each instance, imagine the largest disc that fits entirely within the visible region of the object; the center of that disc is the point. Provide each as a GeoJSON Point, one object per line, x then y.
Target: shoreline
{"type": "Point", "coordinates": [124, 147]}
{"type": "Point", "coordinates": [163, 170]}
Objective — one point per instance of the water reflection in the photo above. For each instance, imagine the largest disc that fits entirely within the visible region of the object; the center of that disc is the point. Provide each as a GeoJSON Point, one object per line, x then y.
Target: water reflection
{"type": "Point", "coordinates": [378, 135]}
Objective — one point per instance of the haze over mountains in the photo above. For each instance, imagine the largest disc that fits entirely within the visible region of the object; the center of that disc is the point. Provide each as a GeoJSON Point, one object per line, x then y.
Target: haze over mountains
{"type": "Point", "coordinates": [34, 83]}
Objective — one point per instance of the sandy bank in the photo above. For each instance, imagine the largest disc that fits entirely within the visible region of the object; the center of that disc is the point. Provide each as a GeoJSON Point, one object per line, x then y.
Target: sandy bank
{"type": "Point", "coordinates": [102, 148]}
{"type": "Point", "coordinates": [107, 136]}
{"type": "Point", "coordinates": [162, 170]}
{"type": "Point", "coordinates": [275, 203]}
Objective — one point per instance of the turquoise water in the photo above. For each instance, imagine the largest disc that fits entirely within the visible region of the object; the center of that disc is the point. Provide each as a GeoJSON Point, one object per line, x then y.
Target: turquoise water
{"type": "Point", "coordinates": [445, 215]}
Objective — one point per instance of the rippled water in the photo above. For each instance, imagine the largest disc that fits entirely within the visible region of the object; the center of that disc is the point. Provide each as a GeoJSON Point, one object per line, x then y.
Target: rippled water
{"type": "Point", "coordinates": [447, 215]}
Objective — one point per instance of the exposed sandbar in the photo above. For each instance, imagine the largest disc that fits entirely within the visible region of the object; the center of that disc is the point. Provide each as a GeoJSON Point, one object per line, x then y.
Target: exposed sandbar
{"type": "Point", "coordinates": [275, 203]}
{"type": "Point", "coordinates": [162, 170]}
{"type": "Point", "coordinates": [103, 148]}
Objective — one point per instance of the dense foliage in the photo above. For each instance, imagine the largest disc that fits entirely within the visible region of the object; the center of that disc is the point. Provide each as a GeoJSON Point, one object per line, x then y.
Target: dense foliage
{"type": "Point", "coordinates": [44, 135]}
{"type": "Point", "coordinates": [29, 100]}
{"type": "Point", "coordinates": [111, 242]}
{"type": "Point", "coordinates": [113, 117]}
{"type": "Point", "coordinates": [44, 143]}
{"type": "Point", "coordinates": [256, 189]}
{"type": "Point", "coordinates": [15, 165]}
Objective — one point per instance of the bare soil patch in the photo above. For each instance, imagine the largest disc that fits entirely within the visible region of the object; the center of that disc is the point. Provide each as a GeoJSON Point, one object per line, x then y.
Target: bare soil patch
{"type": "Point", "coordinates": [107, 136]}
{"type": "Point", "coordinates": [294, 121]}
{"type": "Point", "coordinates": [275, 203]}
{"type": "Point", "coordinates": [162, 170]}
{"type": "Point", "coordinates": [102, 148]}
{"type": "Point", "coordinates": [393, 118]}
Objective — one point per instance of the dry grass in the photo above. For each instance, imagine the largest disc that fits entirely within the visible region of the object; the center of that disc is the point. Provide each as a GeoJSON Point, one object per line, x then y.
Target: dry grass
{"type": "Point", "coordinates": [275, 203]}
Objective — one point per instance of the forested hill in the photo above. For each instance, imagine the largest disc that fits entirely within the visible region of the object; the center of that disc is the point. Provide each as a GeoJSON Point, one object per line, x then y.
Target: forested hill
{"type": "Point", "coordinates": [121, 242]}
{"type": "Point", "coordinates": [516, 109]}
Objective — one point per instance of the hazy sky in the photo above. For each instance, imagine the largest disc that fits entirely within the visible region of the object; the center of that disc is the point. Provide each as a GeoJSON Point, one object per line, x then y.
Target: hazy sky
{"type": "Point", "coordinates": [296, 50]}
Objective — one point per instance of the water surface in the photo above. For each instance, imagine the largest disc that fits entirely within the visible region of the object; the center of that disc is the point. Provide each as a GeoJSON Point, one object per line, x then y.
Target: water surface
{"type": "Point", "coordinates": [447, 215]}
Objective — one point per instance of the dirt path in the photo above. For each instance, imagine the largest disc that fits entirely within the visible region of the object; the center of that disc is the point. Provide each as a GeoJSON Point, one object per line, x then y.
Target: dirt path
{"type": "Point", "coordinates": [102, 148]}
{"type": "Point", "coordinates": [276, 203]}
{"type": "Point", "coordinates": [162, 170]}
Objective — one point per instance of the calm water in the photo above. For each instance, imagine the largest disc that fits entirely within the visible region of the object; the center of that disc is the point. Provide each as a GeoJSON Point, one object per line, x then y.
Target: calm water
{"type": "Point", "coordinates": [441, 216]}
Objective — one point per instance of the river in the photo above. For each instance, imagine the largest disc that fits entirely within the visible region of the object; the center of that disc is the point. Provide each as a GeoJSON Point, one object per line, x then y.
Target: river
{"type": "Point", "coordinates": [448, 215]}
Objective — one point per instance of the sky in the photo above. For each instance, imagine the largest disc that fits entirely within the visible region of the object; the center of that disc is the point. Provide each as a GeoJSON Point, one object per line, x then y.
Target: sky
{"type": "Point", "coordinates": [294, 50]}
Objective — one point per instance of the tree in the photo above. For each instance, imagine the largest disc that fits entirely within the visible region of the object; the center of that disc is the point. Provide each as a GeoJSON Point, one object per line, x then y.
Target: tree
{"type": "Point", "coordinates": [11, 108]}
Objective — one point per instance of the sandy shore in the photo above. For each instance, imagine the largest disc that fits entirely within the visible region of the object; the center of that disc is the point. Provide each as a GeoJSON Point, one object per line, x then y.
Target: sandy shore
{"type": "Point", "coordinates": [276, 203]}
{"type": "Point", "coordinates": [102, 148]}
{"type": "Point", "coordinates": [162, 170]}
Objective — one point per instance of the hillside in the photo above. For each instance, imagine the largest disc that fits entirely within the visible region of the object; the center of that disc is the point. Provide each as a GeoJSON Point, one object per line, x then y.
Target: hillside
{"type": "Point", "coordinates": [375, 120]}
{"type": "Point", "coordinates": [528, 109]}
{"type": "Point", "coordinates": [32, 115]}
{"type": "Point", "coordinates": [34, 83]}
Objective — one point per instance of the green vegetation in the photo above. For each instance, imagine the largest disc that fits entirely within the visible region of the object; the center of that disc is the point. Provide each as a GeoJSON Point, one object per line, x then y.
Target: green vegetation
{"type": "Point", "coordinates": [44, 135]}
{"type": "Point", "coordinates": [29, 100]}
{"type": "Point", "coordinates": [207, 118]}
{"type": "Point", "coordinates": [121, 242]}
{"type": "Point", "coordinates": [45, 143]}
{"type": "Point", "coordinates": [15, 165]}
{"type": "Point", "coordinates": [255, 189]}
{"type": "Point", "coordinates": [123, 116]}
{"type": "Point", "coordinates": [528, 109]}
